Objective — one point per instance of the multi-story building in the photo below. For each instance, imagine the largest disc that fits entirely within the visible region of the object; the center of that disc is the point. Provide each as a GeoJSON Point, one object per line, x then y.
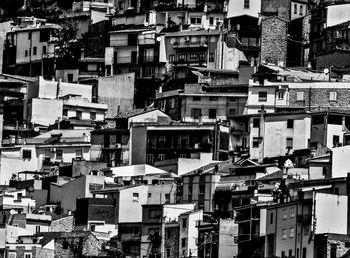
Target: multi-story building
{"type": "Point", "coordinates": [328, 38]}
{"type": "Point", "coordinates": [29, 47]}
{"type": "Point", "coordinates": [260, 134]}
{"type": "Point", "coordinates": [203, 104]}
{"type": "Point", "coordinates": [157, 142]}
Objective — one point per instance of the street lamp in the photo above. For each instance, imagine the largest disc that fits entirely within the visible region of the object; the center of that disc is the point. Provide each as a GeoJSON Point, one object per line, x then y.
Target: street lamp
{"type": "Point", "coordinates": [329, 72]}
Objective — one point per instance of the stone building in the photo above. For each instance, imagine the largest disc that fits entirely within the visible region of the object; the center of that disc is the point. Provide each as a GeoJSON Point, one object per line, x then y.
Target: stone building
{"type": "Point", "coordinates": [274, 41]}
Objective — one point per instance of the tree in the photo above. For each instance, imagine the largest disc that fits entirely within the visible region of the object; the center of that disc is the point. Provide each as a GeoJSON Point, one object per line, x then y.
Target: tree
{"type": "Point", "coordinates": [68, 47]}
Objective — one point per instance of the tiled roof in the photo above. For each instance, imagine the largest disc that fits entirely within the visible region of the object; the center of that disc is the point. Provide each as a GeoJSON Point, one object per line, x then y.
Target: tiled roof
{"type": "Point", "coordinates": [134, 112]}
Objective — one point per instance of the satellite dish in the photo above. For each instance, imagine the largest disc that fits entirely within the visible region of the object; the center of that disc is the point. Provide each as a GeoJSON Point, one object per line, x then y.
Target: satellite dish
{"type": "Point", "coordinates": [326, 71]}
{"type": "Point", "coordinates": [36, 129]}
{"type": "Point", "coordinates": [12, 212]}
{"type": "Point", "coordinates": [159, 39]}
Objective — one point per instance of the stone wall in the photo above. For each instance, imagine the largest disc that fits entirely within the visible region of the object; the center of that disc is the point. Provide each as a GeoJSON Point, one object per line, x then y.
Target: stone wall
{"type": "Point", "coordinates": [320, 98]}
{"type": "Point", "coordinates": [65, 224]}
{"type": "Point", "coordinates": [274, 41]}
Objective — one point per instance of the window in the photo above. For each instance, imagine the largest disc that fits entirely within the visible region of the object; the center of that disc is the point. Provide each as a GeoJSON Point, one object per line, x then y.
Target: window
{"type": "Point", "coordinates": [284, 214]}
{"type": "Point", "coordinates": [232, 99]}
{"type": "Point", "coordinates": [196, 20]}
{"type": "Point", "coordinates": [29, 35]}
{"type": "Point", "coordinates": [196, 98]}
{"type": "Point", "coordinates": [292, 215]}
{"type": "Point", "coordinates": [149, 159]}
{"type": "Point", "coordinates": [37, 229]}
{"type": "Point", "coordinates": [301, 10]}
{"type": "Point", "coordinates": [300, 96]}
{"type": "Point", "coordinates": [246, 4]}
{"type": "Point", "coordinates": [212, 113]}
{"type": "Point", "coordinates": [183, 156]}
{"type": "Point", "coordinates": [65, 245]}
{"type": "Point", "coordinates": [211, 57]}
{"type": "Point", "coordinates": [132, 39]}
{"type": "Point", "coordinates": [283, 255]}
{"type": "Point", "coordinates": [34, 51]}
{"type": "Point", "coordinates": [262, 96]}
{"type": "Point", "coordinates": [155, 213]}
{"type": "Point", "coordinates": [256, 122]}
{"type": "Point", "coordinates": [333, 96]}
{"type": "Point", "coordinates": [291, 232]}
{"type": "Point", "coordinates": [93, 115]}
{"type": "Point", "coordinates": [172, 103]}
{"type": "Point", "coordinates": [92, 228]}
{"type": "Point", "coordinates": [12, 255]}
{"type": "Point", "coordinates": [79, 114]}
{"type": "Point", "coordinates": [78, 153]}
{"type": "Point", "coordinates": [44, 49]}
{"type": "Point", "coordinates": [167, 198]}
{"type": "Point", "coordinates": [27, 154]}
{"type": "Point", "coordinates": [161, 157]}
{"type": "Point", "coordinates": [184, 223]}
{"type": "Point", "coordinates": [196, 113]}
{"type": "Point", "coordinates": [70, 77]}
{"type": "Point", "coordinates": [182, 58]}
{"type": "Point", "coordinates": [193, 56]}
{"type": "Point", "coordinates": [26, 53]}
{"type": "Point", "coordinates": [290, 123]}
{"type": "Point", "coordinates": [183, 242]}
{"type": "Point", "coordinates": [271, 218]}
{"type": "Point", "coordinates": [255, 142]}
{"type": "Point", "coordinates": [133, 57]}
{"type": "Point", "coordinates": [135, 197]}
{"type": "Point", "coordinates": [59, 154]}
{"type": "Point", "coordinates": [306, 230]}
{"type": "Point", "coordinates": [289, 143]}
{"type": "Point", "coordinates": [284, 233]}
{"type": "Point", "coordinates": [295, 8]}
{"type": "Point", "coordinates": [171, 58]}
{"type": "Point", "coordinates": [304, 252]}
{"type": "Point", "coordinates": [280, 94]}
{"type": "Point", "coordinates": [213, 98]}
{"type": "Point", "coordinates": [168, 253]}
{"type": "Point", "coordinates": [336, 140]}
{"type": "Point", "coordinates": [27, 255]}
{"type": "Point", "coordinates": [211, 20]}
{"type": "Point", "coordinates": [232, 112]}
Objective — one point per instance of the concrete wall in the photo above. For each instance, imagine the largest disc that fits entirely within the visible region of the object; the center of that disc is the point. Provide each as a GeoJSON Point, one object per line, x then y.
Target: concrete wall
{"type": "Point", "coordinates": [236, 8]}
{"type": "Point", "coordinates": [117, 92]}
{"type": "Point", "coordinates": [331, 213]}
{"type": "Point", "coordinates": [340, 161]}
{"type": "Point", "coordinates": [151, 117]}
{"type": "Point", "coordinates": [131, 210]}
{"type": "Point", "coordinates": [45, 111]}
{"type": "Point", "coordinates": [12, 162]}
{"type": "Point", "coordinates": [63, 74]}
{"type": "Point", "coordinates": [78, 188]}
{"type": "Point", "coordinates": [48, 89]}
{"type": "Point", "coordinates": [228, 230]}
{"type": "Point", "coordinates": [83, 167]}
{"type": "Point", "coordinates": [337, 14]}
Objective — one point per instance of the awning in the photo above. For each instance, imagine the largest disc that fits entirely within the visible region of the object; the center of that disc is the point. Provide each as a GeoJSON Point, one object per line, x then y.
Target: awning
{"type": "Point", "coordinates": [225, 187]}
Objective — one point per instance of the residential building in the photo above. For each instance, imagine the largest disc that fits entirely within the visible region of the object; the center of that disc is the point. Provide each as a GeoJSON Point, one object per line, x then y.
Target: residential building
{"type": "Point", "coordinates": [29, 47]}
{"type": "Point", "coordinates": [204, 104]}
{"type": "Point", "coordinates": [16, 200]}
{"type": "Point", "coordinates": [161, 142]}
{"type": "Point", "coordinates": [188, 232]}
{"type": "Point", "coordinates": [45, 152]}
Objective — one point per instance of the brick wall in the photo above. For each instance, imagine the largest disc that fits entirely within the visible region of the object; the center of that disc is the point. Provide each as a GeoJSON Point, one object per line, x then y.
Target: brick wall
{"type": "Point", "coordinates": [65, 224]}
{"type": "Point", "coordinates": [274, 41]}
{"type": "Point", "coordinates": [320, 98]}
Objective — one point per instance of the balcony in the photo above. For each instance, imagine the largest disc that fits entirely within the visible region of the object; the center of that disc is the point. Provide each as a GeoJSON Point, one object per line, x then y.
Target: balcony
{"type": "Point", "coordinates": [125, 60]}
{"type": "Point", "coordinates": [149, 59]}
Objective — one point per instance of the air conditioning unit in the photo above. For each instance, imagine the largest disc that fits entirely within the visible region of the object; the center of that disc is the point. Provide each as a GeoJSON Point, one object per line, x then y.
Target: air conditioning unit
{"type": "Point", "coordinates": [53, 149]}
{"type": "Point", "coordinates": [118, 145]}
